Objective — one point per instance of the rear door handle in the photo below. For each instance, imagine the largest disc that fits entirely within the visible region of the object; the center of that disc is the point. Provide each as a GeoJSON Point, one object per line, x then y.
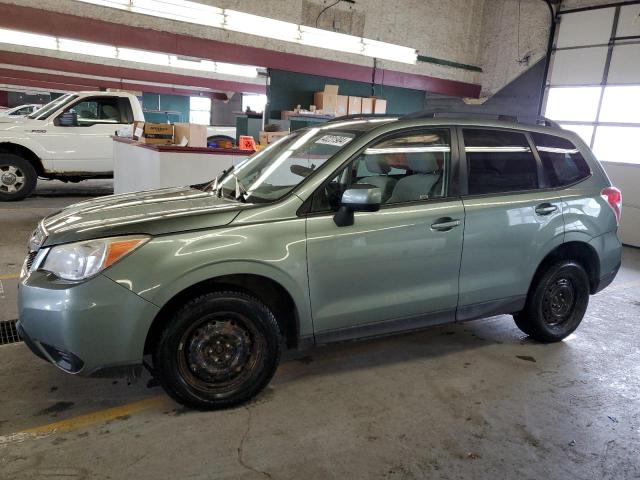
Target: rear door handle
{"type": "Point", "coordinates": [545, 209]}
{"type": "Point", "coordinates": [445, 224]}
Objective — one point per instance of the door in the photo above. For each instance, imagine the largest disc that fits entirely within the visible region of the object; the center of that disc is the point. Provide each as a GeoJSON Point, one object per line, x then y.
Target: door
{"type": "Point", "coordinates": [86, 146]}
{"type": "Point", "coordinates": [511, 221]}
{"type": "Point", "coordinates": [396, 268]}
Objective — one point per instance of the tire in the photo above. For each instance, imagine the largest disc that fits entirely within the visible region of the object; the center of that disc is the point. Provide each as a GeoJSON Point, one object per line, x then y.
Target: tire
{"type": "Point", "coordinates": [18, 178]}
{"type": "Point", "coordinates": [556, 302]}
{"type": "Point", "coordinates": [217, 351]}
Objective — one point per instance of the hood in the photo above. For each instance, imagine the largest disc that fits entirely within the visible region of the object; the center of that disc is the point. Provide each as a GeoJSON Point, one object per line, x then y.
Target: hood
{"type": "Point", "coordinates": [153, 212]}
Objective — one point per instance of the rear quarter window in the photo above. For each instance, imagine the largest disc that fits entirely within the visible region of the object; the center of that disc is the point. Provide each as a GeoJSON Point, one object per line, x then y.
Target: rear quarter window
{"type": "Point", "coordinates": [562, 162]}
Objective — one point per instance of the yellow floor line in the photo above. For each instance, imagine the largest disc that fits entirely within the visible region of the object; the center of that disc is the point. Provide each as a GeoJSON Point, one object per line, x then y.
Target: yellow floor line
{"type": "Point", "coordinates": [9, 276]}
{"type": "Point", "coordinates": [80, 421]}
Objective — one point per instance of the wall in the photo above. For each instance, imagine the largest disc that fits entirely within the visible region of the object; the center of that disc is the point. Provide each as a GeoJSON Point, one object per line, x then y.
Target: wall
{"type": "Point", "coordinates": [520, 98]}
{"type": "Point", "coordinates": [289, 89]}
{"type": "Point", "coordinates": [223, 113]}
{"type": "Point", "coordinates": [164, 103]}
{"type": "Point", "coordinates": [502, 53]}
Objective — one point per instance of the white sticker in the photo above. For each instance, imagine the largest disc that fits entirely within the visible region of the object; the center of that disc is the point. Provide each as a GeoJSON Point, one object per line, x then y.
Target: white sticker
{"type": "Point", "coordinates": [335, 140]}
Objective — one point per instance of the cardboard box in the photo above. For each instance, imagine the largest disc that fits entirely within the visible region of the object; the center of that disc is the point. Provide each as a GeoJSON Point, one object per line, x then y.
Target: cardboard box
{"type": "Point", "coordinates": [379, 105]}
{"type": "Point", "coordinates": [327, 100]}
{"type": "Point", "coordinates": [355, 106]}
{"type": "Point", "coordinates": [269, 137]}
{"type": "Point", "coordinates": [153, 133]}
{"type": "Point", "coordinates": [195, 134]}
{"type": "Point", "coordinates": [367, 105]}
{"type": "Point", "coordinates": [343, 105]}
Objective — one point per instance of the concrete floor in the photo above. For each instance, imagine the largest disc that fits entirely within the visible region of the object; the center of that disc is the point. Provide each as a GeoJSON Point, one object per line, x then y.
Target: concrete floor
{"type": "Point", "coordinates": [477, 400]}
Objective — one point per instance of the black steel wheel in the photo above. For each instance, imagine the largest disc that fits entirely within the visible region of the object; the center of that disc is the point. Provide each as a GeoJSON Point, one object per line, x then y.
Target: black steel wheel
{"type": "Point", "coordinates": [219, 350]}
{"type": "Point", "coordinates": [18, 178]}
{"type": "Point", "coordinates": [556, 303]}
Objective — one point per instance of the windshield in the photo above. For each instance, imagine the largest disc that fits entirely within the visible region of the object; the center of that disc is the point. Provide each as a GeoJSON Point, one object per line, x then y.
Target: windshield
{"type": "Point", "coordinates": [46, 111]}
{"type": "Point", "coordinates": [275, 171]}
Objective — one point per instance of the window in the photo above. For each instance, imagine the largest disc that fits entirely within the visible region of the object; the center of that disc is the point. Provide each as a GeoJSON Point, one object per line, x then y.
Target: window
{"type": "Point", "coordinates": [499, 161]}
{"type": "Point", "coordinates": [98, 110]}
{"type": "Point", "coordinates": [573, 104]}
{"type": "Point", "coordinates": [617, 144]}
{"type": "Point", "coordinates": [562, 162]}
{"type": "Point", "coordinates": [407, 167]}
{"type": "Point", "coordinates": [621, 104]}
{"type": "Point", "coordinates": [255, 103]}
{"type": "Point", "coordinates": [200, 110]}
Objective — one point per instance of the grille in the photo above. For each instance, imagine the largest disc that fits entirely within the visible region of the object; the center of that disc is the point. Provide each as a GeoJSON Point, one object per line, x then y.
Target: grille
{"type": "Point", "coordinates": [8, 332]}
{"type": "Point", "coordinates": [30, 257]}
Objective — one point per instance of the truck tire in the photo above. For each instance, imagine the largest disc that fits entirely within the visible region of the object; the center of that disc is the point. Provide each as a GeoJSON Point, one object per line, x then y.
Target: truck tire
{"type": "Point", "coordinates": [18, 178]}
{"type": "Point", "coordinates": [556, 303]}
{"type": "Point", "coordinates": [217, 351]}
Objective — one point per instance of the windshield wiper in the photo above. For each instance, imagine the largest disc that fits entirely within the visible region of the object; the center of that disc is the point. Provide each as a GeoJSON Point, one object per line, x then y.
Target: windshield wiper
{"type": "Point", "coordinates": [241, 190]}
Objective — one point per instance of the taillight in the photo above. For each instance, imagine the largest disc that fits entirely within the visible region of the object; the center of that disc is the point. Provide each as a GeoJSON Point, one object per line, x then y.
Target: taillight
{"type": "Point", "coordinates": [613, 196]}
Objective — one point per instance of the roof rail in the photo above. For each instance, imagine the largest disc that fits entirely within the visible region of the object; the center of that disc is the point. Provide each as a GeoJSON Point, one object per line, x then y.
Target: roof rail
{"type": "Point", "coordinates": [438, 114]}
{"type": "Point", "coordinates": [546, 122]}
{"type": "Point", "coordinates": [363, 116]}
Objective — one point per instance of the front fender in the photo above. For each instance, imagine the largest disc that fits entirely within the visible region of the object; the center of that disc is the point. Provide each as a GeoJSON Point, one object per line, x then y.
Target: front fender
{"type": "Point", "coordinates": [167, 265]}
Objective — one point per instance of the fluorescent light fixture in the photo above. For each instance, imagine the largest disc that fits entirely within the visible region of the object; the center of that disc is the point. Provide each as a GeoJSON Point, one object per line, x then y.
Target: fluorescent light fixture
{"type": "Point", "coordinates": [87, 48]}
{"type": "Point", "coordinates": [143, 56]}
{"type": "Point", "coordinates": [180, 10]}
{"type": "Point", "coordinates": [256, 25]}
{"type": "Point", "coordinates": [239, 70]}
{"type": "Point", "coordinates": [389, 51]}
{"type": "Point", "coordinates": [317, 37]}
{"type": "Point", "coordinates": [25, 39]}
{"type": "Point", "coordinates": [195, 64]}
{"type": "Point", "coordinates": [235, 21]}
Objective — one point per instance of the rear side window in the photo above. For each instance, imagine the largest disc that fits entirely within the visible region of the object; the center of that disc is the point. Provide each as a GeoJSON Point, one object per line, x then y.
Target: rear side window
{"type": "Point", "coordinates": [499, 161]}
{"type": "Point", "coordinates": [562, 162]}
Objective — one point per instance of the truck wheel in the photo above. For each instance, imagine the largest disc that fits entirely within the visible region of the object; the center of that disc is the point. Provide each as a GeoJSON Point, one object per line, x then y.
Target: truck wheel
{"type": "Point", "coordinates": [218, 350]}
{"type": "Point", "coordinates": [556, 303]}
{"type": "Point", "coordinates": [18, 178]}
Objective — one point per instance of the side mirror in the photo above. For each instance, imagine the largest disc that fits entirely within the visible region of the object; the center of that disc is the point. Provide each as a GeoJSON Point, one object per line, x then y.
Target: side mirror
{"type": "Point", "coordinates": [67, 119]}
{"type": "Point", "coordinates": [358, 198]}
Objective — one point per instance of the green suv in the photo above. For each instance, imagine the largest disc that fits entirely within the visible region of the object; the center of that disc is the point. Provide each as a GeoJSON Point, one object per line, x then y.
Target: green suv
{"type": "Point", "coordinates": [356, 228]}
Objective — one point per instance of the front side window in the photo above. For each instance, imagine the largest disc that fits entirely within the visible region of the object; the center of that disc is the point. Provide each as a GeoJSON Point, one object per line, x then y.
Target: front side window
{"type": "Point", "coordinates": [407, 167]}
{"type": "Point", "coordinates": [499, 161]}
{"type": "Point", "coordinates": [562, 162]}
{"type": "Point", "coordinates": [97, 110]}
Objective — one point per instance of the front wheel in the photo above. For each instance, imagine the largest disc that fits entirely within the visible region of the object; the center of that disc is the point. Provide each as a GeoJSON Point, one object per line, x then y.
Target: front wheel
{"type": "Point", "coordinates": [18, 178]}
{"type": "Point", "coordinates": [556, 303]}
{"type": "Point", "coordinates": [219, 350]}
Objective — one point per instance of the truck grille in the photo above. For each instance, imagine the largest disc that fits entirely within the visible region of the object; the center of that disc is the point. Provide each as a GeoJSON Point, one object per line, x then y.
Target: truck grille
{"type": "Point", "coordinates": [8, 332]}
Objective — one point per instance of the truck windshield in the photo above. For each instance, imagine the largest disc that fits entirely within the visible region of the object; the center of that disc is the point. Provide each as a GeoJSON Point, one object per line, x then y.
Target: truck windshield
{"type": "Point", "coordinates": [51, 107]}
{"type": "Point", "coordinates": [275, 171]}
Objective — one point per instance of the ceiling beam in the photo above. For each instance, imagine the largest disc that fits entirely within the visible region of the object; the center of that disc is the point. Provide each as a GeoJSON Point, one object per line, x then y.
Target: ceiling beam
{"type": "Point", "coordinates": [100, 31]}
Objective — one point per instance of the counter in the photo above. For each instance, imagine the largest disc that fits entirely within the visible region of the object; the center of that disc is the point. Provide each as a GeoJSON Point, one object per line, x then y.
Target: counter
{"type": "Point", "coordinates": [138, 166]}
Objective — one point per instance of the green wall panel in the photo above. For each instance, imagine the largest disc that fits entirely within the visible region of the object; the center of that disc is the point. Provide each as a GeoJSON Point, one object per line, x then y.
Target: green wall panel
{"type": "Point", "coordinates": [173, 108]}
{"type": "Point", "coordinates": [289, 89]}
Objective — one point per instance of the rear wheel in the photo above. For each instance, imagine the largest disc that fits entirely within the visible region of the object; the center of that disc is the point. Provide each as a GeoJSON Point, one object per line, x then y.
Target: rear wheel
{"type": "Point", "coordinates": [219, 350]}
{"type": "Point", "coordinates": [556, 303]}
{"type": "Point", "coordinates": [18, 178]}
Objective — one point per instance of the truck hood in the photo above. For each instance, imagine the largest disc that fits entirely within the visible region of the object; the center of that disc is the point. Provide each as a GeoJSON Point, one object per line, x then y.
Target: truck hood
{"type": "Point", "coordinates": [153, 212]}
{"type": "Point", "coordinates": [20, 123]}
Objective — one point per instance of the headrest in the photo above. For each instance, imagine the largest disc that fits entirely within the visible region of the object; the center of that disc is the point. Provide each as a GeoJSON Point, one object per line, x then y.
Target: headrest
{"type": "Point", "coordinates": [109, 111]}
{"type": "Point", "coordinates": [377, 164]}
{"type": "Point", "coordinates": [424, 162]}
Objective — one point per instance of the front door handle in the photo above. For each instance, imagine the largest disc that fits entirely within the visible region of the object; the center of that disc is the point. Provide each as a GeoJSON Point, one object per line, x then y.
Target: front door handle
{"type": "Point", "coordinates": [445, 224]}
{"type": "Point", "coordinates": [545, 209]}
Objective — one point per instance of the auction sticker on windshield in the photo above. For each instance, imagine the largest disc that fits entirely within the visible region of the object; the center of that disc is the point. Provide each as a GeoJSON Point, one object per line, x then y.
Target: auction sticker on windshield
{"type": "Point", "coordinates": [335, 140]}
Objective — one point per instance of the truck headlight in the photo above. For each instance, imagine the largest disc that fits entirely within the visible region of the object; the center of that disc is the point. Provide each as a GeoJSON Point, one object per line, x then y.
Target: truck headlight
{"type": "Point", "coordinates": [81, 260]}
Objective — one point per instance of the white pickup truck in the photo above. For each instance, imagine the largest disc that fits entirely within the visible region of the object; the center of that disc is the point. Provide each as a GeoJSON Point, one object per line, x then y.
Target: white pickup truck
{"type": "Point", "coordinates": [68, 139]}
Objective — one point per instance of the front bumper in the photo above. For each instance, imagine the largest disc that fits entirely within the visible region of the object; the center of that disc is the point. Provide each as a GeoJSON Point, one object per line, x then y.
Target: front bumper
{"type": "Point", "coordinates": [88, 328]}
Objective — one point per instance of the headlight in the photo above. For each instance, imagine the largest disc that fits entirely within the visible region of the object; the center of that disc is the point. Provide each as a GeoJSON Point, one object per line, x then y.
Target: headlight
{"type": "Point", "coordinates": [78, 261]}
